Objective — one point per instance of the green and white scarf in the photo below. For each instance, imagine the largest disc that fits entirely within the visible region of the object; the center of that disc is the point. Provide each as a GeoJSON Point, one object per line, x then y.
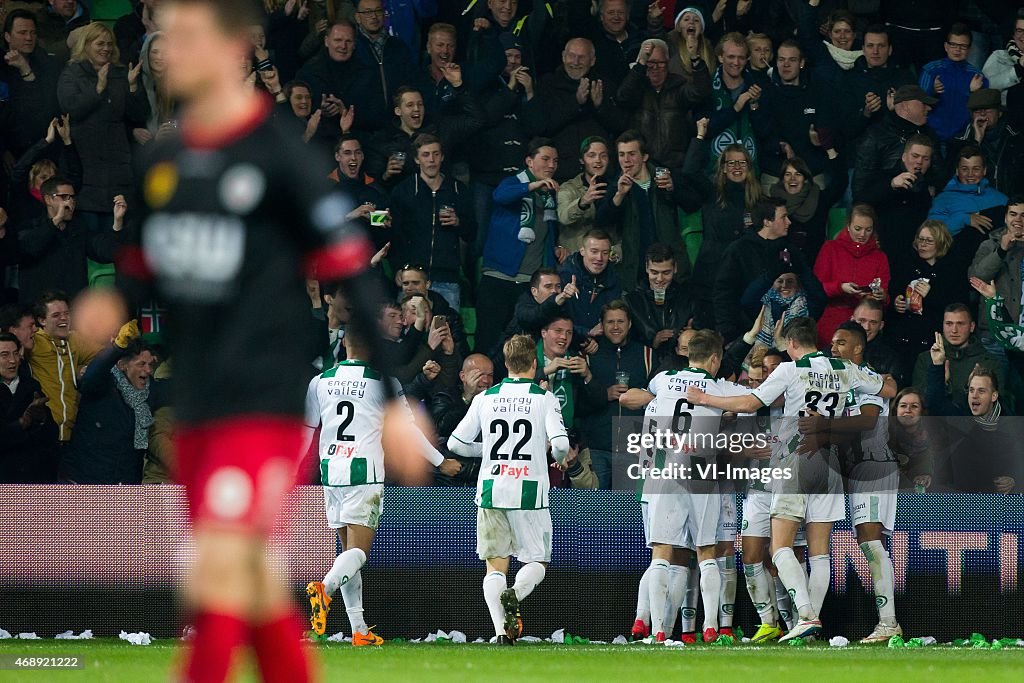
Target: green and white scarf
{"type": "Point", "coordinates": [527, 209]}
{"type": "Point", "coordinates": [561, 387]}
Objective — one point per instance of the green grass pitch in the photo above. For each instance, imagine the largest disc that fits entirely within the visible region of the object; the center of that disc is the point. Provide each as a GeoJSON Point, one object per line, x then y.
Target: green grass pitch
{"type": "Point", "coordinates": [110, 661]}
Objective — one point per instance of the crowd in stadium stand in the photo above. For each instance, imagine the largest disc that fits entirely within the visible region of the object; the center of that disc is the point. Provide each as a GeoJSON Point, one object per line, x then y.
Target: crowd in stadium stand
{"type": "Point", "coordinates": [604, 176]}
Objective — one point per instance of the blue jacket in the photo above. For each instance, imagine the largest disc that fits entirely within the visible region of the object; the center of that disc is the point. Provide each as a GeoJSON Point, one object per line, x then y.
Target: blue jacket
{"type": "Point", "coordinates": [957, 201]}
{"type": "Point", "coordinates": [595, 291]}
{"type": "Point", "coordinates": [503, 251]}
{"type": "Point", "coordinates": [403, 17]}
{"type": "Point", "coordinates": [950, 115]}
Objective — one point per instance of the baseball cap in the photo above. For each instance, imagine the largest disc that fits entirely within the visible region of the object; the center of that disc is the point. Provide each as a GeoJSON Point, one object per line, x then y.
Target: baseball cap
{"type": "Point", "coordinates": [906, 93]}
{"type": "Point", "coordinates": [509, 41]}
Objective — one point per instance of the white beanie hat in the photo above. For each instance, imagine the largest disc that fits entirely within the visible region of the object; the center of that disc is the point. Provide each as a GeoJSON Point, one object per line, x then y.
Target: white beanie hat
{"type": "Point", "coordinates": [694, 10]}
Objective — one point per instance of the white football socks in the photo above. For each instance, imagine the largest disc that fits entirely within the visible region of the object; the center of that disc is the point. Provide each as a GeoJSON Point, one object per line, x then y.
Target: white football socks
{"type": "Point", "coordinates": [346, 565]}
{"type": "Point", "coordinates": [494, 584]}
{"type": "Point", "coordinates": [727, 598]}
{"type": "Point", "coordinates": [527, 578]}
{"type": "Point", "coordinates": [819, 580]}
{"type": "Point", "coordinates": [678, 577]}
{"type": "Point", "coordinates": [658, 587]}
{"type": "Point", "coordinates": [760, 591]}
{"type": "Point", "coordinates": [884, 577]}
{"type": "Point", "coordinates": [352, 595]}
{"type": "Point", "coordinates": [710, 592]}
{"type": "Point", "coordinates": [795, 580]}
{"type": "Point", "coordinates": [783, 603]}
{"type": "Point", "coordinates": [689, 624]}
{"type": "Point", "coordinates": [643, 597]}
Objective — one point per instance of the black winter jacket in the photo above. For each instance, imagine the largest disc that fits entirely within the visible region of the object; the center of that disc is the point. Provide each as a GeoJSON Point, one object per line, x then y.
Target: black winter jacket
{"type": "Point", "coordinates": [99, 127]}
{"type": "Point", "coordinates": [102, 449]}
{"type": "Point", "coordinates": [417, 234]}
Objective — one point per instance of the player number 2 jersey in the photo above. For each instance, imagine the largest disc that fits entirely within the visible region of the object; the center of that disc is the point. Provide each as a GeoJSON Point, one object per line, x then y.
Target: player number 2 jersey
{"type": "Point", "coordinates": [348, 403]}
{"type": "Point", "coordinates": [516, 419]}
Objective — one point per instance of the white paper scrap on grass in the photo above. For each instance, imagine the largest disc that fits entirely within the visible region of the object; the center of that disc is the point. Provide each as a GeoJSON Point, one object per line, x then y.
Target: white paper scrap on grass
{"type": "Point", "coordinates": [838, 641]}
{"type": "Point", "coordinates": [339, 637]}
{"type": "Point", "coordinates": [480, 640]}
{"type": "Point", "coordinates": [70, 635]}
{"type": "Point", "coordinates": [674, 643]}
{"type": "Point", "coordinates": [28, 636]}
{"type": "Point", "coordinates": [620, 640]}
{"type": "Point", "coordinates": [930, 640]}
{"type": "Point", "coordinates": [141, 638]}
{"type": "Point", "coordinates": [558, 636]}
{"type": "Point", "coordinates": [5, 635]}
{"type": "Point", "coordinates": [529, 639]}
{"type": "Point", "coordinates": [457, 636]}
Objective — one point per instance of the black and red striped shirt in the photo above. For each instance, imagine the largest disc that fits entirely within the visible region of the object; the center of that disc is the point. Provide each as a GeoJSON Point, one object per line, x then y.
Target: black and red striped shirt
{"type": "Point", "coordinates": [232, 226]}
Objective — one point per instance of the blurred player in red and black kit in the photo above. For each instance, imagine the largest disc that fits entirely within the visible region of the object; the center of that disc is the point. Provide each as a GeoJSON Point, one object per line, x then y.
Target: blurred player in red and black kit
{"type": "Point", "coordinates": [234, 220]}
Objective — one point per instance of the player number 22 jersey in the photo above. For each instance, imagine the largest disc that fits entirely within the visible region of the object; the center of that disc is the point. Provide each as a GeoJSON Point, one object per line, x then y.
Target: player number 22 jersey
{"type": "Point", "coordinates": [516, 419]}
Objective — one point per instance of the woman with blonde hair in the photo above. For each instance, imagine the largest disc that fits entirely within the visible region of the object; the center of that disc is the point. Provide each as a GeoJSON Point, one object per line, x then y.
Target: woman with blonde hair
{"type": "Point", "coordinates": [161, 106]}
{"type": "Point", "coordinates": [687, 43]}
{"type": "Point", "coordinates": [725, 215]}
{"type": "Point", "coordinates": [923, 283]}
{"type": "Point", "coordinates": [105, 100]}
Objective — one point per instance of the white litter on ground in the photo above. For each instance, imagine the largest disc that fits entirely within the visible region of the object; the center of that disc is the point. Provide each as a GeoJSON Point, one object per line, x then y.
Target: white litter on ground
{"type": "Point", "coordinates": [529, 639]}
{"type": "Point", "coordinates": [70, 635]}
{"type": "Point", "coordinates": [620, 640]}
{"type": "Point", "coordinates": [930, 640]}
{"type": "Point", "coordinates": [838, 641]}
{"type": "Point", "coordinates": [28, 636]}
{"type": "Point", "coordinates": [5, 635]}
{"type": "Point", "coordinates": [558, 636]}
{"type": "Point", "coordinates": [674, 643]}
{"type": "Point", "coordinates": [136, 638]}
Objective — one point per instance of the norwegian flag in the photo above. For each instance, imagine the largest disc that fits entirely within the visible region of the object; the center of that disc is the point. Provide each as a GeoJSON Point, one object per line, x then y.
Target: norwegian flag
{"type": "Point", "coordinates": [151, 317]}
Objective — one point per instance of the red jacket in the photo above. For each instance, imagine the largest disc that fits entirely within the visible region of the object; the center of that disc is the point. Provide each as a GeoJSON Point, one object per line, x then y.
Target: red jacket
{"type": "Point", "coordinates": [843, 260]}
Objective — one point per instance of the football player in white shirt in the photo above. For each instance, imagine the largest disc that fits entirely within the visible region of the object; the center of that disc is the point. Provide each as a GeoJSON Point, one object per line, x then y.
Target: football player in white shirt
{"type": "Point", "coordinates": [348, 403]}
{"type": "Point", "coordinates": [768, 595]}
{"type": "Point", "coordinates": [517, 420]}
{"type": "Point", "coordinates": [815, 386]}
{"type": "Point", "coordinates": [872, 481]}
{"type": "Point", "coordinates": [698, 510]}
